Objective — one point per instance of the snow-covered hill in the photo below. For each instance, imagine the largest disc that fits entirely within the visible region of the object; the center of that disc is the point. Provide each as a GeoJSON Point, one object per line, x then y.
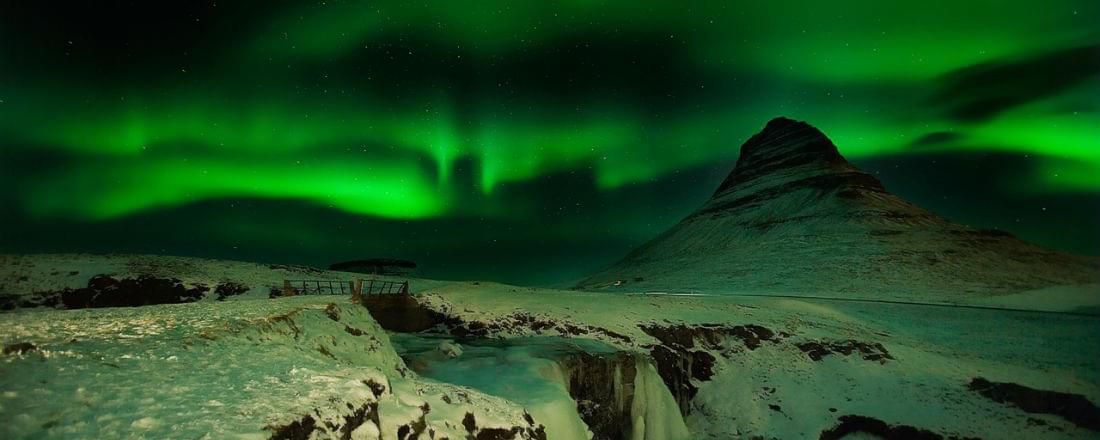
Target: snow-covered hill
{"type": "Point", "coordinates": [795, 218]}
{"type": "Point", "coordinates": [292, 368]}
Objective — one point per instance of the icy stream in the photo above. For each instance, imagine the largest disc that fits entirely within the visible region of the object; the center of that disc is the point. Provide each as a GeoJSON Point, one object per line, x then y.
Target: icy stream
{"type": "Point", "coordinates": [536, 372]}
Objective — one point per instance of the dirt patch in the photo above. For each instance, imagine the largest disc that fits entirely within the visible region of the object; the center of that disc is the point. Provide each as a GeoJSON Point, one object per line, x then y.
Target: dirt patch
{"type": "Point", "coordinates": [1075, 408]}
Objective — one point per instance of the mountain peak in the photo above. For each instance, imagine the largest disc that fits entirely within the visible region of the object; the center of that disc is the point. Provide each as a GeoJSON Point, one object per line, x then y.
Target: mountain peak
{"type": "Point", "coordinates": [795, 217]}
{"type": "Point", "coordinates": [785, 145]}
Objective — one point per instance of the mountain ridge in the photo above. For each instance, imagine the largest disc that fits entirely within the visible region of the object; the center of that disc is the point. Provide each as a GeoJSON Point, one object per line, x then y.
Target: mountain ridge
{"type": "Point", "coordinates": [795, 217]}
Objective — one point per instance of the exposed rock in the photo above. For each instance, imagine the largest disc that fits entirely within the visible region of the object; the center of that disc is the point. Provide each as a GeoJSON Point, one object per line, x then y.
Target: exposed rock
{"type": "Point", "coordinates": [710, 335]}
{"type": "Point", "coordinates": [674, 367]}
{"type": "Point", "coordinates": [105, 291]}
{"type": "Point", "coordinates": [368, 413]}
{"type": "Point", "coordinates": [353, 331]}
{"type": "Point", "coordinates": [19, 348]}
{"type": "Point", "coordinates": [603, 386]}
{"type": "Point", "coordinates": [870, 351]}
{"type": "Point", "coordinates": [530, 432]}
{"type": "Point", "coordinates": [852, 424]}
{"type": "Point", "coordinates": [682, 357]}
{"type": "Point", "coordinates": [299, 429]}
{"type": "Point", "coordinates": [520, 321]}
{"type": "Point", "coordinates": [1075, 408]}
{"type": "Point", "coordinates": [229, 288]}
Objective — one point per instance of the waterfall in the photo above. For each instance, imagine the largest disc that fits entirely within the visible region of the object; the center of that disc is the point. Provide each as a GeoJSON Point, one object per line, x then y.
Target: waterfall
{"type": "Point", "coordinates": [655, 413]}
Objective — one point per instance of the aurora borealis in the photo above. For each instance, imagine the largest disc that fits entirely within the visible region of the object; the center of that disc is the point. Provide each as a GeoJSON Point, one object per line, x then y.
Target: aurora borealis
{"type": "Point", "coordinates": [521, 141]}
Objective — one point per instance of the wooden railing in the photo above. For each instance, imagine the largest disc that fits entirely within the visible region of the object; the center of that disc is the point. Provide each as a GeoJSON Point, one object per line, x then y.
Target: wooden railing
{"type": "Point", "coordinates": [339, 287]}
{"type": "Point", "coordinates": [373, 287]}
{"type": "Point", "coordinates": [319, 287]}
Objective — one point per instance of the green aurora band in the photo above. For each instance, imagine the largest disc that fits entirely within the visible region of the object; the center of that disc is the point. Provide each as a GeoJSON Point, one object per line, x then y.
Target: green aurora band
{"type": "Point", "coordinates": [368, 107]}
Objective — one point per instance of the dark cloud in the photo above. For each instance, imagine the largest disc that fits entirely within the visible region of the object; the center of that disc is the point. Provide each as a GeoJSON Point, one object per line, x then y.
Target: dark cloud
{"type": "Point", "coordinates": [951, 184]}
{"type": "Point", "coordinates": [982, 91]}
{"type": "Point", "coordinates": [935, 138]}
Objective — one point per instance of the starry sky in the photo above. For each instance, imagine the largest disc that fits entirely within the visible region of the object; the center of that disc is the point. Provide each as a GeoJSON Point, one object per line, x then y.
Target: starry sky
{"type": "Point", "coordinates": [528, 142]}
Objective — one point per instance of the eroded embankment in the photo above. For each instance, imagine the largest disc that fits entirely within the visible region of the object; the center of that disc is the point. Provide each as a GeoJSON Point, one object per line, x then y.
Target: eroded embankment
{"type": "Point", "coordinates": [399, 405]}
{"type": "Point", "coordinates": [683, 356]}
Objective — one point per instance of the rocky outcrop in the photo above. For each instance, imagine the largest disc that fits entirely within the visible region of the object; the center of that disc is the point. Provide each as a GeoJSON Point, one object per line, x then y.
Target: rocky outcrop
{"type": "Point", "coordinates": [104, 291]}
{"type": "Point", "coordinates": [1075, 408]}
{"type": "Point", "coordinates": [107, 291]}
{"type": "Point", "coordinates": [227, 289]}
{"type": "Point", "coordinates": [518, 322]}
{"type": "Point", "coordinates": [855, 424]}
{"type": "Point", "coordinates": [621, 396]}
{"type": "Point", "coordinates": [603, 386]}
{"type": "Point", "coordinates": [795, 217]}
{"type": "Point", "coordinates": [474, 432]}
{"type": "Point", "coordinates": [869, 351]}
{"type": "Point", "coordinates": [684, 353]}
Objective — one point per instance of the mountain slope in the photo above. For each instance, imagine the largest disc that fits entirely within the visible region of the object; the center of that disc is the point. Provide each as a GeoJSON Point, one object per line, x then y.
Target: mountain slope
{"type": "Point", "coordinates": [794, 217]}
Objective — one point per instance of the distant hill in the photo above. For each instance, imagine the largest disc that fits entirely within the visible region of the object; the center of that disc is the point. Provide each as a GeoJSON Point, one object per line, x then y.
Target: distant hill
{"type": "Point", "coordinates": [795, 217]}
{"type": "Point", "coordinates": [380, 266]}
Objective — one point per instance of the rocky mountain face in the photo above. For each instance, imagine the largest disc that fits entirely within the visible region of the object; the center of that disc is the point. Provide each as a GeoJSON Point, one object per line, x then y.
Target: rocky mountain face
{"type": "Point", "coordinates": [795, 217]}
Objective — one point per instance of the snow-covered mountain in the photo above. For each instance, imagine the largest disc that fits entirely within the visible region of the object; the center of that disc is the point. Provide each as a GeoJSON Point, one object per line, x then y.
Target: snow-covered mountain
{"type": "Point", "coordinates": [795, 217]}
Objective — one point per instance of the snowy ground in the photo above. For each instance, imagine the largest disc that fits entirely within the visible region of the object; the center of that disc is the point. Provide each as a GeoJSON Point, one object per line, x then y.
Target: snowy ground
{"type": "Point", "coordinates": [238, 369]}
{"type": "Point", "coordinates": [252, 367]}
{"type": "Point", "coordinates": [27, 274]}
{"type": "Point", "coordinates": [778, 390]}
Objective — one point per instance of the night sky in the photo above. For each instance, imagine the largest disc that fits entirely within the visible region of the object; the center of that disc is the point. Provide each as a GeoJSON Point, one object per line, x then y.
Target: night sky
{"type": "Point", "coordinates": [522, 141]}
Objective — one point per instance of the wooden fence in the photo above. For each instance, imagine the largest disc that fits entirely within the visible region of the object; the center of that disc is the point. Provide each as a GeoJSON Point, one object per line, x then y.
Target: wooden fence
{"type": "Point", "coordinates": [340, 287]}
{"type": "Point", "coordinates": [373, 287]}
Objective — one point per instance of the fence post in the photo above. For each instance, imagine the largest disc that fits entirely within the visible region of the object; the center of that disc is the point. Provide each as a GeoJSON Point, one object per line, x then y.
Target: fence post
{"type": "Point", "coordinates": [357, 292]}
{"type": "Point", "coordinates": [288, 290]}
